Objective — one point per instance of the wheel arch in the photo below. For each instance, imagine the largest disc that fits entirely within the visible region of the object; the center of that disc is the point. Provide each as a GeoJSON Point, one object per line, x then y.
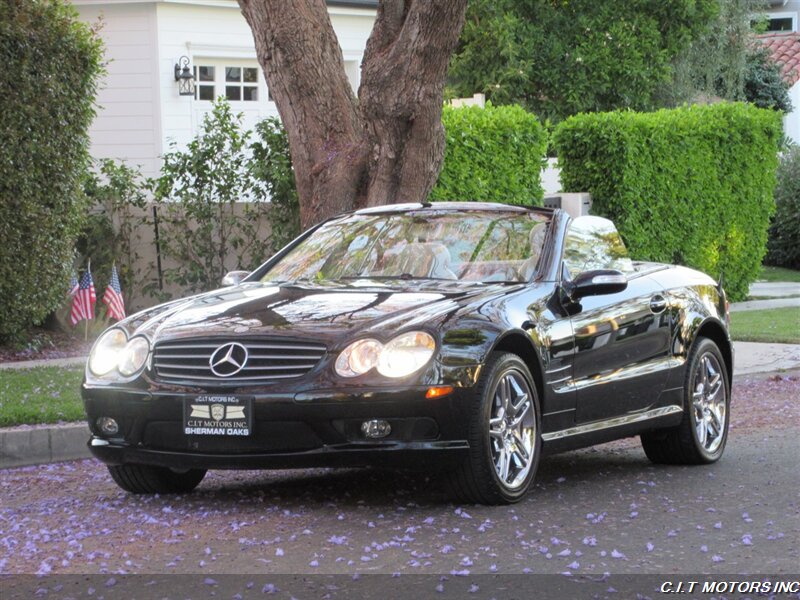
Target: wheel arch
{"type": "Point", "coordinates": [520, 344]}
{"type": "Point", "coordinates": [715, 331]}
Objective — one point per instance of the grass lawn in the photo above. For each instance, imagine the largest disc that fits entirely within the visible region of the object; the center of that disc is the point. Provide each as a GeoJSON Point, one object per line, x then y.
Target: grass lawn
{"type": "Point", "coordinates": [40, 395]}
{"type": "Point", "coordinates": [778, 274]}
{"type": "Point", "coordinates": [774, 325]}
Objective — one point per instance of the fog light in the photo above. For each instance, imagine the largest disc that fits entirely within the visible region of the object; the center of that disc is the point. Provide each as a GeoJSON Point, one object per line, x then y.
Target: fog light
{"type": "Point", "coordinates": [107, 425]}
{"type": "Point", "coordinates": [376, 428]}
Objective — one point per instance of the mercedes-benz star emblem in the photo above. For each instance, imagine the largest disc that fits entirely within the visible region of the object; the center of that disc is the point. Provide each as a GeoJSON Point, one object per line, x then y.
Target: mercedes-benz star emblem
{"type": "Point", "coordinates": [228, 359]}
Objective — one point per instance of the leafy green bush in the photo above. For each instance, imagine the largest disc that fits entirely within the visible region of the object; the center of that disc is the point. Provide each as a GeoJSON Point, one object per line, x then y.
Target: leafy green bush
{"type": "Point", "coordinates": [691, 185]}
{"type": "Point", "coordinates": [117, 195]}
{"type": "Point", "coordinates": [51, 64]}
{"type": "Point", "coordinates": [271, 168]}
{"type": "Point", "coordinates": [493, 154]}
{"type": "Point", "coordinates": [201, 227]}
{"type": "Point", "coordinates": [784, 233]}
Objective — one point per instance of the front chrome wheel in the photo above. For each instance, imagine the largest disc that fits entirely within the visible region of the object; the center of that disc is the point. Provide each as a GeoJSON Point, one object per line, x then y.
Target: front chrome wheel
{"type": "Point", "coordinates": [504, 435]}
{"type": "Point", "coordinates": [709, 403]}
{"type": "Point", "coordinates": [512, 430]}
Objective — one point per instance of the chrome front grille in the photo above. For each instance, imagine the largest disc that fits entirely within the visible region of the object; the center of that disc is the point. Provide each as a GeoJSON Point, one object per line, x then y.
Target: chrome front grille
{"type": "Point", "coordinates": [187, 361]}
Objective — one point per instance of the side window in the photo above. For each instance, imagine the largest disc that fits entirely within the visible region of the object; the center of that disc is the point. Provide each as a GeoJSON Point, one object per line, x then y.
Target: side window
{"type": "Point", "coordinates": [594, 243]}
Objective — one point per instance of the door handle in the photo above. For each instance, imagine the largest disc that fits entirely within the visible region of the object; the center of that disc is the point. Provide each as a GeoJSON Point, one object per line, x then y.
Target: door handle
{"type": "Point", "coordinates": [658, 304]}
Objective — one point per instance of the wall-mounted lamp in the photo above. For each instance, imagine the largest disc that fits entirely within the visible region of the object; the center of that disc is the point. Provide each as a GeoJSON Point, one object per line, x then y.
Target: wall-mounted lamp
{"type": "Point", "coordinates": [184, 77]}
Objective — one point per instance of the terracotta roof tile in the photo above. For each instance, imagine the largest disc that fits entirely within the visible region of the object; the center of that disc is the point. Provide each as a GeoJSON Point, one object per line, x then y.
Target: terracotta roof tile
{"type": "Point", "coordinates": [785, 50]}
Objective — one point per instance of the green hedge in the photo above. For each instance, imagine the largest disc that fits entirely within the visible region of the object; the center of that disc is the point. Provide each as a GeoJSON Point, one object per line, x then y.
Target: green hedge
{"type": "Point", "coordinates": [493, 154]}
{"type": "Point", "coordinates": [784, 233]}
{"type": "Point", "coordinates": [691, 185]}
{"type": "Point", "coordinates": [51, 63]}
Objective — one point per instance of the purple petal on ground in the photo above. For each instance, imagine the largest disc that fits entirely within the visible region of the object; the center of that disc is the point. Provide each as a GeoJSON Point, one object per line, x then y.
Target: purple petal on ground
{"type": "Point", "coordinates": [111, 582]}
{"type": "Point", "coordinates": [439, 588]}
{"type": "Point", "coordinates": [473, 588]}
{"type": "Point", "coordinates": [209, 581]}
{"type": "Point", "coordinates": [650, 547]}
{"type": "Point", "coordinates": [278, 551]}
{"type": "Point", "coordinates": [313, 563]}
{"type": "Point", "coordinates": [747, 539]}
{"type": "Point", "coordinates": [616, 554]}
{"type": "Point", "coordinates": [717, 558]}
{"type": "Point", "coordinates": [269, 588]}
{"type": "Point", "coordinates": [574, 565]}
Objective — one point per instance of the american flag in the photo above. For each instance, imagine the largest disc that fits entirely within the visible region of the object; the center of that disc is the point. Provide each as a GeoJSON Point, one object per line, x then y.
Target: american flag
{"type": "Point", "coordinates": [73, 286]}
{"type": "Point", "coordinates": [83, 302]}
{"type": "Point", "coordinates": [113, 297]}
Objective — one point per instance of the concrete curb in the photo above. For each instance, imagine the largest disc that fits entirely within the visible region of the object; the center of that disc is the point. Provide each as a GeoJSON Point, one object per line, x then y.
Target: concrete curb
{"type": "Point", "coordinates": [45, 362]}
{"type": "Point", "coordinates": [20, 447]}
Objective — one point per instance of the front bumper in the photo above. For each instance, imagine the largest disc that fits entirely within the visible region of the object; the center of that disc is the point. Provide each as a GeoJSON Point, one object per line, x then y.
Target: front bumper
{"type": "Point", "coordinates": [310, 429]}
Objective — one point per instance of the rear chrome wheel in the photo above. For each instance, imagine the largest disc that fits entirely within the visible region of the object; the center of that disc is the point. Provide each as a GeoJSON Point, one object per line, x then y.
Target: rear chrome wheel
{"type": "Point", "coordinates": [709, 403]}
{"type": "Point", "coordinates": [701, 436]}
{"type": "Point", "coordinates": [504, 435]}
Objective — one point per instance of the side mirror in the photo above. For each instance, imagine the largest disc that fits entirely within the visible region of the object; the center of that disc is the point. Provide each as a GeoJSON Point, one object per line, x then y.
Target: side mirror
{"type": "Point", "coordinates": [234, 278]}
{"type": "Point", "coordinates": [596, 283]}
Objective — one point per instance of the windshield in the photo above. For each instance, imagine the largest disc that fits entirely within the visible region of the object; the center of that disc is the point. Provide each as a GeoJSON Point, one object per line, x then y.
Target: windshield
{"type": "Point", "coordinates": [448, 245]}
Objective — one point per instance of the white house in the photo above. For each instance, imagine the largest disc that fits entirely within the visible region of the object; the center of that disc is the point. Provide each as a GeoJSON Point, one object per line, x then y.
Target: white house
{"type": "Point", "coordinates": [785, 50]}
{"type": "Point", "coordinates": [140, 109]}
{"type": "Point", "coordinates": [782, 15]}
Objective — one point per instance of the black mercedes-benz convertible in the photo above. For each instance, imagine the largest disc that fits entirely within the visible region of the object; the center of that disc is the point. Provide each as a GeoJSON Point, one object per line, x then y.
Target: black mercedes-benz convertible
{"type": "Point", "coordinates": [469, 338]}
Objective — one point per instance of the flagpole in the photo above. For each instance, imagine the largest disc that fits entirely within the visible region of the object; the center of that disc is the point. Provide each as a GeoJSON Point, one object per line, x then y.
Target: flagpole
{"type": "Point", "coordinates": [86, 321]}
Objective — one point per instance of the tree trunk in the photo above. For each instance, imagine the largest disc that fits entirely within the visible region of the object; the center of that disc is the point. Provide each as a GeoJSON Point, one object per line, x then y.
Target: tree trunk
{"type": "Point", "coordinates": [385, 146]}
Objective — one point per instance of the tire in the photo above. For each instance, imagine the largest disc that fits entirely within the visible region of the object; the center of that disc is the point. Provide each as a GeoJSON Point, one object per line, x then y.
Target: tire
{"type": "Point", "coordinates": [701, 436]}
{"type": "Point", "coordinates": [146, 479]}
{"type": "Point", "coordinates": [485, 477]}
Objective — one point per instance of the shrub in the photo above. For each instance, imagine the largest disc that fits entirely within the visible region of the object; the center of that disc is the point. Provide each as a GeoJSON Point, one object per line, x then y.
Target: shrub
{"type": "Point", "coordinates": [112, 232]}
{"type": "Point", "coordinates": [51, 64]}
{"type": "Point", "coordinates": [201, 228]}
{"type": "Point", "coordinates": [784, 233]}
{"type": "Point", "coordinates": [493, 154]}
{"type": "Point", "coordinates": [271, 168]}
{"type": "Point", "coordinates": [692, 185]}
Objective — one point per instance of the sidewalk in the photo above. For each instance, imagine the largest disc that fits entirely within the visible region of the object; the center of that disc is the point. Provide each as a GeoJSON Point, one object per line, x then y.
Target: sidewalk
{"type": "Point", "coordinates": [45, 362]}
{"type": "Point", "coordinates": [774, 288]}
{"type": "Point", "coordinates": [779, 293]}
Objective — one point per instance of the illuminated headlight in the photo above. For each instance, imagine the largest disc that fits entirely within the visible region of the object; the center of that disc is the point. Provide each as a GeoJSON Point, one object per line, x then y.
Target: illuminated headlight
{"type": "Point", "coordinates": [106, 351]}
{"type": "Point", "coordinates": [133, 356]}
{"type": "Point", "coordinates": [113, 351]}
{"type": "Point", "coordinates": [358, 358]}
{"type": "Point", "coordinates": [401, 357]}
{"type": "Point", "coordinates": [405, 354]}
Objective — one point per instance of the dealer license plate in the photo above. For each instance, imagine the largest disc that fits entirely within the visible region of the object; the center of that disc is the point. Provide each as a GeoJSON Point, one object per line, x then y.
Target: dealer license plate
{"type": "Point", "coordinates": [218, 415]}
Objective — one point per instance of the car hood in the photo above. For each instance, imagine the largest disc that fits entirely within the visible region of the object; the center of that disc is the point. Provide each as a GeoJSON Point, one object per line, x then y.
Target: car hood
{"type": "Point", "coordinates": [327, 313]}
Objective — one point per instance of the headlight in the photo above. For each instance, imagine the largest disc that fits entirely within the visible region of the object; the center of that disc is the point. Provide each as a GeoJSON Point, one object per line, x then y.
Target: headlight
{"type": "Point", "coordinates": [358, 358]}
{"type": "Point", "coordinates": [405, 354]}
{"type": "Point", "coordinates": [400, 357]}
{"type": "Point", "coordinates": [113, 351]}
{"type": "Point", "coordinates": [133, 356]}
{"type": "Point", "coordinates": [105, 353]}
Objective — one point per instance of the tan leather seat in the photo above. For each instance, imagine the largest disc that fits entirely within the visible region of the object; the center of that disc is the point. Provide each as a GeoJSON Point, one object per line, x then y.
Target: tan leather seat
{"type": "Point", "coordinates": [421, 259]}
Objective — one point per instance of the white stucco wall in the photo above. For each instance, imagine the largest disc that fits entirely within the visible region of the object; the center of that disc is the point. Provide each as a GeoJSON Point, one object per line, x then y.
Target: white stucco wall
{"type": "Point", "coordinates": [219, 36]}
{"type": "Point", "coordinates": [140, 111]}
{"type": "Point", "coordinates": [127, 125]}
{"type": "Point", "coordinates": [791, 122]}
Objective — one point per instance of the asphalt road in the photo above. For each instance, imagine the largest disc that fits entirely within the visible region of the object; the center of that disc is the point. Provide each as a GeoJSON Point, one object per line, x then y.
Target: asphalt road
{"type": "Point", "coordinates": [594, 511]}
